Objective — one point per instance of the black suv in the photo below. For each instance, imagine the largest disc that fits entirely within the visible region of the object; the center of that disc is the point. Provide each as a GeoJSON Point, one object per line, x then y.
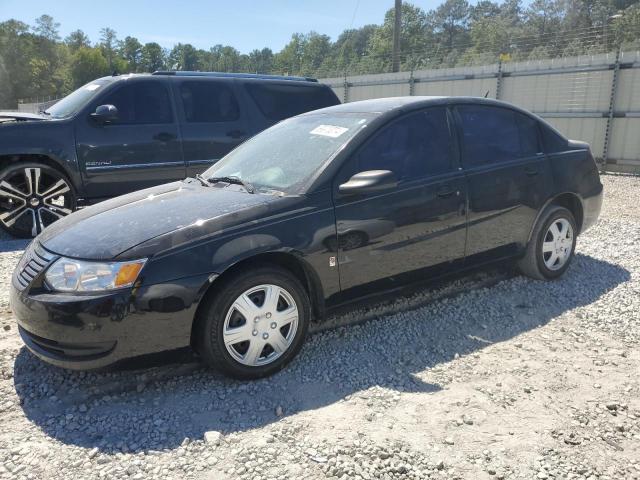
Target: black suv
{"type": "Point", "coordinates": [126, 132]}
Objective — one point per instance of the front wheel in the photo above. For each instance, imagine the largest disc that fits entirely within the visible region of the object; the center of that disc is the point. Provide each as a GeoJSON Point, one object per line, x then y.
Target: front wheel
{"type": "Point", "coordinates": [551, 246]}
{"type": "Point", "coordinates": [254, 324]}
{"type": "Point", "coordinates": [32, 197]}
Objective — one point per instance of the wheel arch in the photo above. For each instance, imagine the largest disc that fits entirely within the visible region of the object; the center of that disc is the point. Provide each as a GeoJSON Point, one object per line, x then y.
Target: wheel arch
{"type": "Point", "coordinates": [571, 201]}
{"type": "Point", "coordinates": [48, 160]}
{"type": "Point", "coordinates": [290, 261]}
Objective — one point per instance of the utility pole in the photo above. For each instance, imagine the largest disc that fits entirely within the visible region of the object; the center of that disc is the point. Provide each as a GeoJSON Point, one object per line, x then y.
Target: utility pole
{"type": "Point", "coordinates": [397, 25]}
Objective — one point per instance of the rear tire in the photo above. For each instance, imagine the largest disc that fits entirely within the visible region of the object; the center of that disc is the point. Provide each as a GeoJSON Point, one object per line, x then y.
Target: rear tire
{"type": "Point", "coordinates": [254, 324]}
{"type": "Point", "coordinates": [552, 245]}
{"type": "Point", "coordinates": [33, 196]}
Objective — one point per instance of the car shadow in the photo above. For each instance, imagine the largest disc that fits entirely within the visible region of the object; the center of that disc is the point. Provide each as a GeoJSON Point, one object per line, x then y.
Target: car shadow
{"type": "Point", "coordinates": [172, 398]}
{"type": "Point", "coordinates": [14, 244]}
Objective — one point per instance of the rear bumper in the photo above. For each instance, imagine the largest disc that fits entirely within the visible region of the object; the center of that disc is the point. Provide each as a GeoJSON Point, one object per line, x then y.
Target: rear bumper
{"type": "Point", "coordinates": [84, 332]}
{"type": "Point", "coordinates": [592, 206]}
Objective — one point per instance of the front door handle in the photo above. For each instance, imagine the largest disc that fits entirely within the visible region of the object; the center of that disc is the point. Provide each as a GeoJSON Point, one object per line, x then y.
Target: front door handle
{"type": "Point", "coordinates": [446, 191]}
{"type": "Point", "coordinates": [164, 137]}
{"type": "Point", "coordinates": [236, 134]}
{"type": "Point", "coordinates": [531, 171]}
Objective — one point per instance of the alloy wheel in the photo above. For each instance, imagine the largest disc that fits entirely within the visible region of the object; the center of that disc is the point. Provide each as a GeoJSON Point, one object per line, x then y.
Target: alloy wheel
{"type": "Point", "coordinates": [32, 198]}
{"type": "Point", "coordinates": [558, 244]}
{"type": "Point", "coordinates": [260, 325]}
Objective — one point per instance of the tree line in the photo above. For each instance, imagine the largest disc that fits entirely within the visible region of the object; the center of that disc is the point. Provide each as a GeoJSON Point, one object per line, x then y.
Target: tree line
{"type": "Point", "coordinates": [36, 61]}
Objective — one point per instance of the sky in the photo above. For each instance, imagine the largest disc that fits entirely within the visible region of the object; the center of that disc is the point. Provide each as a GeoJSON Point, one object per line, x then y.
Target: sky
{"type": "Point", "coordinates": [243, 24]}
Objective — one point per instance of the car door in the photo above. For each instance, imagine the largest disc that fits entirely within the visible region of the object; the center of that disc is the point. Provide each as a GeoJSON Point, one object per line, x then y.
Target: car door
{"type": "Point", "coordinates": [420, 223]}
{"type": "Point", "coordinates": [212, 120]}
{"type": "Point", "coordinates": [139, 149]}
{"type": "Point", "coordinates": [508, 177]}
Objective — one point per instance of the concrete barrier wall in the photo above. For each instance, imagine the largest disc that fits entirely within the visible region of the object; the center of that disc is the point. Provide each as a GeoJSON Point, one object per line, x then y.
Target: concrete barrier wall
{"type": "Point", "coordinates": [595, 98]}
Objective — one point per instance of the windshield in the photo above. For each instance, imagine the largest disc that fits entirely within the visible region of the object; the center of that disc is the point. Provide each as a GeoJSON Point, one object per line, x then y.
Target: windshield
{"type": "Point", "coordinates": [285, 156]}
{"type": "Point", "coordinates": [77, 99]}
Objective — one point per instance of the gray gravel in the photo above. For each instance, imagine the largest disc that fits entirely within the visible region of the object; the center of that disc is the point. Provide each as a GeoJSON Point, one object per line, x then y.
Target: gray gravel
{"type": "Point", "coordinates": [489, 376]}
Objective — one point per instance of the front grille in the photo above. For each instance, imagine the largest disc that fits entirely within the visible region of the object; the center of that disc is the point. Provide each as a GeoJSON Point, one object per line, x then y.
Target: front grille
{"type": "Point", "coordinates": [34, 260]}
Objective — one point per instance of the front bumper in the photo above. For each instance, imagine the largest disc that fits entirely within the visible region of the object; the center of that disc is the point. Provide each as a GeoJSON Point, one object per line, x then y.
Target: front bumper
{"type": "Point", "coordinates": [80, 331]}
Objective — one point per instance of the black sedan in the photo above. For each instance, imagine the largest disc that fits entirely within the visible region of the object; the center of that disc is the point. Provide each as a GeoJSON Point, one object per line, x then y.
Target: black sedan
{"type": "Point", "coordinates": [319, 210]}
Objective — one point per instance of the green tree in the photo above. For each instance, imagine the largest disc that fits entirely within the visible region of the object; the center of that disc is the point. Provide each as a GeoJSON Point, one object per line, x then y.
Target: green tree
{"type": "Point", "coordinates": [86, 65]}
{"type": "Point", "coordinates": [77, 39]}
{"type": "Point", "coordinates": [349, 49]}
{"type": "Point", "coordinates": [108, 43]}
{"type": "Point", "coordinates": [131, 52]}
{"type": "Point", "coordinates": [184, 57]}
{"type": "Point", "coordinates": [316, 49]}
{"type": "Point", "coordinates": [415, 38]}
{"type": "Point", "coordinates": [16, 46]}
{"type": "Point", "coordinates": [289, 59]}
{"type": "Point", "coordinates": [152, 57]}
{"type": "Point", "coordinates": [450, 22]}
{"type": "Point", "coordinates": [47, 28]}
{"type": "Point", "coordinates": [260, 61]}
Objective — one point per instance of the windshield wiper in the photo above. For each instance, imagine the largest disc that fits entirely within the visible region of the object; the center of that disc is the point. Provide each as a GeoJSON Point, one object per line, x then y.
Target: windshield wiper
{"type": "Point", "coordinates": [233, 180]}
{"type": "Point", "coordinates": [202, 180]}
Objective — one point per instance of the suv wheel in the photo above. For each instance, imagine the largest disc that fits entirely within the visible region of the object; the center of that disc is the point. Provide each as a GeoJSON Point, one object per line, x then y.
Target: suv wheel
{"type": "Point", "coordinates": [32, 197]}
{"type": "Point", "coordinates": [552, 245]}
{"type": "Point", "coordinates": [255, 324]}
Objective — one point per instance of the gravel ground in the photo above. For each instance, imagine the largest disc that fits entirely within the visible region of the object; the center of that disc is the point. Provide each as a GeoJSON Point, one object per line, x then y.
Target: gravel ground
{"type": "Point", "coordinates": [490, 376]}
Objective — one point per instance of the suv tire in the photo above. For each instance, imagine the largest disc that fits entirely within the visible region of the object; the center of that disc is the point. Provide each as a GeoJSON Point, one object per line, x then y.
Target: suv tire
{"type": "Point", "coordinates": [32, 196]}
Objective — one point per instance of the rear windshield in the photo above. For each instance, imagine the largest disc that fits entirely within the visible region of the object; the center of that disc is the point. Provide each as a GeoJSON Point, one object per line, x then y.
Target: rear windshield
{"type": "Point", "coordinates": [278, 101]}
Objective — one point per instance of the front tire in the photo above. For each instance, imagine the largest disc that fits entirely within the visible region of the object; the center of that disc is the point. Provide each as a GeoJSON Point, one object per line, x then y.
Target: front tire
{"type": "Point", "coordinates": [552, 245]}
{"type": "Point", "coordinates": [32, 197]}
{"type": "Point", "coordinates": [254, 324]}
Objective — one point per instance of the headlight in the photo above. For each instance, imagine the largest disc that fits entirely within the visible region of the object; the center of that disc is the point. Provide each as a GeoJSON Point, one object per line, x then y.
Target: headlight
{"type": "Point", "coordinates": [68, 275]}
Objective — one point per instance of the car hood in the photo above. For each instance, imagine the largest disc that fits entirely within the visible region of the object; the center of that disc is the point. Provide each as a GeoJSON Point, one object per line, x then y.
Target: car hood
{"type": "Point", "coordinates": [160, 217]}
{"type": "Point", "coordinates": [20, 116]}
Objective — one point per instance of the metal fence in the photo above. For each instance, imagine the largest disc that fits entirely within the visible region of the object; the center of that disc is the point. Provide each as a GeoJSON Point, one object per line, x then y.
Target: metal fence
{"type": "Point", "coordinates": [37, 105]}
{"type": "Point", "coordinates": [595, 98]}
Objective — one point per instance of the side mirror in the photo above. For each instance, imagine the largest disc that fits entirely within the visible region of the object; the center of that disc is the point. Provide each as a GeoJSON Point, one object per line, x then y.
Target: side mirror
{"type": "Point", "coordinates": [105, 114]}
{"type": "Point", "coordinates": [369, 181]}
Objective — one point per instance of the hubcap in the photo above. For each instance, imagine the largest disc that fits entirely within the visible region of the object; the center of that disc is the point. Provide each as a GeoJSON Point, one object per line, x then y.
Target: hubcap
{"type": "Point", "coordinates": [260, 325]}
{"type": "Point", "coordinates": [31, 199]}
{"type": "Point", "coordinates": [557, 245]}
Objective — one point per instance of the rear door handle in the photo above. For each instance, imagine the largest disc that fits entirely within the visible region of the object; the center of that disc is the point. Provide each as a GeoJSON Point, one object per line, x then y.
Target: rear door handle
{"type": "Point", "coordinates": [164, 137]}
{"type": "Point", "coordinates": [236, 134]}
{"type": "Point", "coordinates": [531, 171]}
{"type": "Point", "coordinates": [446, 191]}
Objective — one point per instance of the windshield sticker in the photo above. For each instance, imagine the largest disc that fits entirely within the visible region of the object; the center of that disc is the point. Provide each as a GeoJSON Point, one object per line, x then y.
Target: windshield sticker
{"type": "Point", "coordinates": [92, 87]}
{"type": "Point", "coordinates": [332, 131]}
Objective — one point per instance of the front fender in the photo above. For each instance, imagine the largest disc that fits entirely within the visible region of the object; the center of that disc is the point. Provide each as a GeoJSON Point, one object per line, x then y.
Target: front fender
{"type": "Point", "coordinates": [54, 139]}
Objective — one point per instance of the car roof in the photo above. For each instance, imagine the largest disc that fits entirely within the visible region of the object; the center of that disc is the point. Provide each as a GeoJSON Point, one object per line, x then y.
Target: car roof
{"type": "Point", "coordinates": [243, 76]}
{"type": "Point", "coordinates": [391, 104]}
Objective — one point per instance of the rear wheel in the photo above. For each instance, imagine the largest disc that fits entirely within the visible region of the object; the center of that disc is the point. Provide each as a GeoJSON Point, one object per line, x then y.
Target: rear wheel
{"type": "Point", "coordinates": [552, 245]}
{"type": "Point", "coordinates": [32, 197]}
{"type": "Point", "coordinates": [254, 324]}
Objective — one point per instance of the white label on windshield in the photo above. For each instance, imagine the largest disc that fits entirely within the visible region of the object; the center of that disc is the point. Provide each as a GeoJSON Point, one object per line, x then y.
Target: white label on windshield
{"type": "Point", "coordinates": [332, 131]}
{"type": "Point", "coordinates": [92, 87]}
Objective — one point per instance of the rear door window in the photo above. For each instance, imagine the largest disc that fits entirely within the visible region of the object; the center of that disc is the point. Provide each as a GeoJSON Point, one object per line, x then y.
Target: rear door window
{"type": "Point", "coordinates": [277, 101]}
{"type": "Point", "coordinates": [208, 102]}
{"type": "Point", "coordinates": [496, 135]}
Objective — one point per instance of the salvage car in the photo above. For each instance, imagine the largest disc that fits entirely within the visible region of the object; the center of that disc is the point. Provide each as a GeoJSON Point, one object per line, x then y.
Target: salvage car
{"type": "Point", "coordinates": [122, 133]}
{"type": "Point", "coordinates": [236, 262]}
